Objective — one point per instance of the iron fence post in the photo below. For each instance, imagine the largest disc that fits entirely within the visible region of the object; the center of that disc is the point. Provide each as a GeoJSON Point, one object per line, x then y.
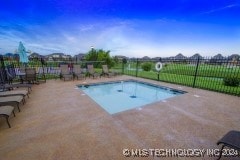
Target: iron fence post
{"type": "Point", "coordinates": [137, 68]}
{"type": "Point", "coordinates": [122, 67]}
{"type": "Point", "coordinates": [42, 62]}
{"type": "Point", "coordinates": [195, 74]}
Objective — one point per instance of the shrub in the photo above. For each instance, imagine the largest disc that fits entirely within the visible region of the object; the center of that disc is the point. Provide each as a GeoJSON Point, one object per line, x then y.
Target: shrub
{"type": "Point", "coordinates": [124, 61]}
{"type": "Point", "coordinates": [147, 66]}
{"type": "Point", "coordinates": [231, 81]}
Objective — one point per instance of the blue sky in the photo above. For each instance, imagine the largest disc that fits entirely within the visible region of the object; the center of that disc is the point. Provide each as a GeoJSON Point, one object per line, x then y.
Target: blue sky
{"type": "Point", "coordinates": [133, 28]}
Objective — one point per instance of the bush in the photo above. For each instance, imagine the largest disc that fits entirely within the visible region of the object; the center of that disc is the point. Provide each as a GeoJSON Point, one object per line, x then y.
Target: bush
{"type": "Point", "coordinates": [231, 81]}
{"type": "Point", "coordinates": [124, 61]}
{"type": "Point", "coordinates": [147, 66]}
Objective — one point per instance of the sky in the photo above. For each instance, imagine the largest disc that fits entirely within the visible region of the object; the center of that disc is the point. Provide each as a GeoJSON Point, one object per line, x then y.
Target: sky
{"type": "Point", "coordinates": [133, 28]}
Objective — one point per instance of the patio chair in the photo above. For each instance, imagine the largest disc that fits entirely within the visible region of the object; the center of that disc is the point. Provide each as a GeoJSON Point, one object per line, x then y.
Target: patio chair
{"type": "Point", "coordinates": [77, 72]}
{"type": "Point", "coordinates": [105, 71]}
{"type": "Point", "coordinates": [65, 73]}
{"type": "Point", "coordinates": [91, 71]}
{"type": "Point", "coordinates": [231, 140]}
{"type": "Point", "coordinates": [30, 76]}
{"type": "Point", "coordinates": [6, 111]}
{"type": "Point", "coordinates": [11, 100]}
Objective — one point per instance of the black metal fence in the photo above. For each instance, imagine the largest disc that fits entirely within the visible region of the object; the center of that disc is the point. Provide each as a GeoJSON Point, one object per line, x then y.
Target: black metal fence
{"type": "Point", "coordinates": [44, 69]}
{"type": "Point", "coordinates": [221, 75]}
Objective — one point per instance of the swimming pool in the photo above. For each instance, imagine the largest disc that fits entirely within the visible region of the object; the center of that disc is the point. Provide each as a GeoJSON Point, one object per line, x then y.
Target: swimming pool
{"type": "Point", "coordinates": [119, 96]}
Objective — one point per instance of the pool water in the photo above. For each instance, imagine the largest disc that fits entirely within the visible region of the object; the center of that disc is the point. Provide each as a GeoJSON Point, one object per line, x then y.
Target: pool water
{"type": "Point", "coordinates": [120, 96]}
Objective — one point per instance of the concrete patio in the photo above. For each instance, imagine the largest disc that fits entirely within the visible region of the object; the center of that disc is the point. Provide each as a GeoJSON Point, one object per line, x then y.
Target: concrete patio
{"type": "Point", "coordinates": [59, 122]}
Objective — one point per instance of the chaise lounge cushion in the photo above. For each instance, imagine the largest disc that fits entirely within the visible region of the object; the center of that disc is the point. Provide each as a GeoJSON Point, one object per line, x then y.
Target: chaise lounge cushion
{"type": "Point", "coordinates": [14, 93]}
{"type": "Point", "coordinates": [11, 100]}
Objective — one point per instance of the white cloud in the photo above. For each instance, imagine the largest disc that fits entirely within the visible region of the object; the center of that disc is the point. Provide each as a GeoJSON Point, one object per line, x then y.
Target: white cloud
{"type": "Point", "coordinates": [221, 8]}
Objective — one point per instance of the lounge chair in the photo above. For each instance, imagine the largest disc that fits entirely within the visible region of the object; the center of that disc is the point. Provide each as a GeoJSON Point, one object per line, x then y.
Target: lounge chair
{"type": "Point", "coordinates": [65, 73]}
{"type": "Point", "coordinates": [77, 72]}
{"type": "Point", "coordinates": [105, 71]}
{"type": "Point", "coordinates": [23, 93]}
{"type": "Point", "coordinates": [231, 140]}
{"type": "Point", "coordinates": [91, 71]}
{"type": "Point", "coordinates": [10, 73]}
{"type": "Point", "coordinates": [16, 85]}
{"type": "Point", "coordinates": [6, 111]}
{"type": "Point", "coordinates": [6, 81]}
{"type": "Point", "coordinates": [11, 100]}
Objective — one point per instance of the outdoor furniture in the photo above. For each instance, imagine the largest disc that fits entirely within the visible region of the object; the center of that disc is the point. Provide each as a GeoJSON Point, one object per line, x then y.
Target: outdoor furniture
{"type": "Point", "coordinates": [77, 72]}
{"type": "Point", "coordinates": [21, 76]}
{"type": "Point", "coordinates": [65, 73]}
{"type": "Point", "coordinates": [6, 80]}
{"type": "Point", "coordinates": [105, 71]}
{"type": "Point", "coordinates": [30, 76]}
{"type": "Point", "coordinates": [10, 73]}
{"type": "Point", "coordinates": [6, 111]}
{"type": "Point", "coordinates": [91, 71]}
{"type": "Point", "coordinates": [23, 93]}
{"type": "Point", "coordinates": [11, 100]}
{"type": "Point", "coordinates": [16, 85]}
{"type": "Point", "coordinates": [231, 140]}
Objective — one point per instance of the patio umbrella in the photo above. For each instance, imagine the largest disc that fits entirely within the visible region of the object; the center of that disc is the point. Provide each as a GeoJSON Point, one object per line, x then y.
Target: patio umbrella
{"type": "Point", "coordinates": [22, 53]}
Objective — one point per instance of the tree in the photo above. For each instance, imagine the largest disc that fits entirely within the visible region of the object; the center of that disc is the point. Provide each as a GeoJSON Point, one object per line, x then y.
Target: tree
{"type": "Point", "coordinates": [99, 55]}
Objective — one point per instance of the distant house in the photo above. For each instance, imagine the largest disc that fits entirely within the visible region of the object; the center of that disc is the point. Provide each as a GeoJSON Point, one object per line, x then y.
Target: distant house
{"type": "Point", "coordinates": [10, 55]}
{"type": "Point", "coordinates": [171, 58]}
{"type": "Point", "coordinates": [157, 58]}
{"type": "Point", "coordinates": [217, 59]}
{"type": "Point", "coordinates": [180, 57]}
{"type": "Point", "coordinates": [233, 57]}
{"type": "Point", "coordinates": [36, 56]}
{"type": "Point", "coordinates": [66, 57]}
{"type": "Point", "coordinates": [79, 57]}
{"type": "Point", "coordinates": [218, 56]}
{"type": "Point", "coordinates": [145, 58]}
{"type": "Point", "coordinates": [54, 56]}
{"type": "Point", "coordinates": [196, 56]}
{"type": "Point", "coordinates": [58, 57]}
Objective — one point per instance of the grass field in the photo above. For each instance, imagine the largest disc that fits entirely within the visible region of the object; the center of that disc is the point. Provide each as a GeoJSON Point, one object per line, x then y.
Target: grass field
{"type": "Point", "coordinates": [208, 77]}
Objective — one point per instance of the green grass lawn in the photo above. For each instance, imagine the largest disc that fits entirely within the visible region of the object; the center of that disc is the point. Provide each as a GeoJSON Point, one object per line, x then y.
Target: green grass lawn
{"type": "Point", "coordinates": [208, 76]}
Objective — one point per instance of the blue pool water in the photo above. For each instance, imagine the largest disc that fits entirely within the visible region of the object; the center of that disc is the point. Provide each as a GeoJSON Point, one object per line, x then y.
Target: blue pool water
{"type": "Point", "coordinates": [119, 96]}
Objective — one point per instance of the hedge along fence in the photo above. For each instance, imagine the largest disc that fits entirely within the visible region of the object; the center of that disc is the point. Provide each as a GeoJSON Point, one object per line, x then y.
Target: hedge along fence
{"type": "Point", "coordinates": [222, 76]}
